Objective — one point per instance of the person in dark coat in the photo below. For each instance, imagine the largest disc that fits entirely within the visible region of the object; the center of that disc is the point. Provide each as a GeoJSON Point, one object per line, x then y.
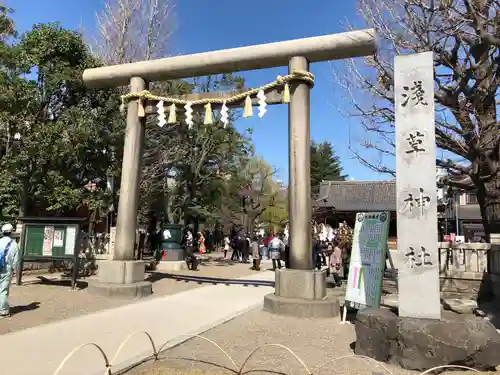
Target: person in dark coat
{"type": "Point", "coordinates": [316, 250]}
{"type": "Point", "coordinates": [187, 244]}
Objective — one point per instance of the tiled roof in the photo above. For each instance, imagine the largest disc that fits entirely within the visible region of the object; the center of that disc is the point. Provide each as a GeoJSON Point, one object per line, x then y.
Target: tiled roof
{"type": "Point", "coordinates": [358, 196]}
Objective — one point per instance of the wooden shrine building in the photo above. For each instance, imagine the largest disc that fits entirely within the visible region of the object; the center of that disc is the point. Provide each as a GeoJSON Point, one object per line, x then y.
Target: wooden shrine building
{"type": "Point", "coordinates": [339, 201]}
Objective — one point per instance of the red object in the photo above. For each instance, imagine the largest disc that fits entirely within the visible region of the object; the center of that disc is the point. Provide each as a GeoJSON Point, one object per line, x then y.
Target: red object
{"type": "Point", "coordinates": [446, 238]}
{"type": "Point", "coordinates": [201, 246]}
{"type": "Point", "coordinates": [267, 240]}
{"type": "Point", "coordinates": [163, 255]}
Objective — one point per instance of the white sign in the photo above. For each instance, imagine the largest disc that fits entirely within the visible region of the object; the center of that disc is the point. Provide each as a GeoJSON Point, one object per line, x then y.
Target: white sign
{"type": "Point", "coordinates": [58, 238]}
{"type": "Point", "coordinates": [167, 235]}
{"type": "Point", "coordinates": [366, 268]}
{"type": "Point", "coordinates": [48, 237]}
{"type": "Point", "coordinates": [69, 248]}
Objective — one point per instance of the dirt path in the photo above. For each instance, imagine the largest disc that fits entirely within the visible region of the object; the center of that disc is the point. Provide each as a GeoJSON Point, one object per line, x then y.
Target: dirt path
{"type": "Point", "coordinates": [41, 303]}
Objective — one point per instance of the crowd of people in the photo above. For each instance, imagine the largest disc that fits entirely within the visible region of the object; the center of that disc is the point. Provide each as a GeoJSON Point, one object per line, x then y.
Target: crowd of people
{"type": "Point", "coordinates": [330, 249]}
{"type": "Point", "coordinates": [273, 246]}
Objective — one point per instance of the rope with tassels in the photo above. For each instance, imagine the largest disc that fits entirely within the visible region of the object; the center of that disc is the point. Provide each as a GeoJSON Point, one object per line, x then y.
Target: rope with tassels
{"type": "Point", "coordinates": [296, 75]}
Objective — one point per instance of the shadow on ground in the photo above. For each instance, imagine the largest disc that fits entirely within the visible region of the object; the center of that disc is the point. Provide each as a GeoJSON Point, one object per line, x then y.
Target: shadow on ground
{"type": "Point", "coordinates": [22, 308]}
{"type": "Point", "coordinates": [80, 284]}
{"type": "Point", "coordinates": [219, 262]}
{"type": "Point", "coordinates": [156, 276]}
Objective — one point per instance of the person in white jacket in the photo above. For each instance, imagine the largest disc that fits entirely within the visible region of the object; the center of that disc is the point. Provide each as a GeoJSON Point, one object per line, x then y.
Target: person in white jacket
{"type": "Point", "coordinates": [9, 261]}
{"type": "Point", "coordinates": [227, 241]}
{"type": "Point", "coordinates": [276, 248]}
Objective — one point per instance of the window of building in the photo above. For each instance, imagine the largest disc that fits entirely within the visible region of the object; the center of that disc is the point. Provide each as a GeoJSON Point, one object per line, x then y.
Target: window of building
{"type": "Point", "coordinates": [471, 198]}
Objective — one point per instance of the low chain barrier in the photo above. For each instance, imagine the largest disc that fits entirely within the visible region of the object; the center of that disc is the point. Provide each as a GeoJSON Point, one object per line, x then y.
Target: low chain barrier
{"type": "Point", "coordinates": [107, 366]}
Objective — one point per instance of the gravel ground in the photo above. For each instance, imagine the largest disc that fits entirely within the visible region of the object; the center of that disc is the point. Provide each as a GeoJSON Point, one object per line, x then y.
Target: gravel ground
{"type": "Point", "coordinates": [314, 341]}
{"type": "Point", "coordinates": [45, 302]}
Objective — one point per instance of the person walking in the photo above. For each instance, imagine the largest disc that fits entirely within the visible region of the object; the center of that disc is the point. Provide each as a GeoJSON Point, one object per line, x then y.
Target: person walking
{"type": "Point", "coordinates": [337, 264]}
{"type": "Point", "coordinates": [316, 249]}
{"type": "Point", "coordinates": [201, 243]}
{"type": "Point", "coordinates": [286, 252]}
{"type": "Point", "coordinates": [187, 245]}
{"type": "Point", "coordinates": [226, 245]}
{"type": "Point", "coordinates": [276, 248]}
{"type": "Point", "coordinates": [235, 243]}
{"type": "Point", "coordinates": [265, 242]}
{"type": "Point", "coordinates": [9, 262]}
{"type": "Point", "coordinates": [255, 253]}
{"type": "Point", "coordinates": [246, 249]}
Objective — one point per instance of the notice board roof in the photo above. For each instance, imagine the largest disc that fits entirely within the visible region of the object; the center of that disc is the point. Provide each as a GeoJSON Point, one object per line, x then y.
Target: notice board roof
{"type": "Point", "coordinates": [51, 219]}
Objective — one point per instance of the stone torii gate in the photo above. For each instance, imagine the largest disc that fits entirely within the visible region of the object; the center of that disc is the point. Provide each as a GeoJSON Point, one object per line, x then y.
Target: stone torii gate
{"type": "Point", "coordinates": [299, 290]}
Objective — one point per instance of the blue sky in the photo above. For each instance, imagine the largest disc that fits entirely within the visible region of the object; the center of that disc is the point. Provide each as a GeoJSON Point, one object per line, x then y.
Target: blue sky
{"type": "Point", "coordinates": [218, 24]}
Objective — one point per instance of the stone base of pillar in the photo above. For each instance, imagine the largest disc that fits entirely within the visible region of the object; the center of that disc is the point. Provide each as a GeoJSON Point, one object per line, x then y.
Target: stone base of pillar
{"type": "Point", "coordinates": [302, 294]}
{"type": "Point", "coordinates": [121, 278]}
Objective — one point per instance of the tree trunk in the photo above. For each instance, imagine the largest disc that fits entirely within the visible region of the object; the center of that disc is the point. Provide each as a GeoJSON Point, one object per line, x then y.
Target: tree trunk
{"type": "Point", "coordinates": [488, 195]}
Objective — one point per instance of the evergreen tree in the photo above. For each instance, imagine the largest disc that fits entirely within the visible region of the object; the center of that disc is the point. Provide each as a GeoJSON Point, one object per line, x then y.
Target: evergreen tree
{"type": "Point", "coordinates": [325, 165]}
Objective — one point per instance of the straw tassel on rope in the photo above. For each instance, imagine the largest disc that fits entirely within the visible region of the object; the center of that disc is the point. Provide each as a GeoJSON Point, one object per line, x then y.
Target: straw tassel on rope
{"type": "Point", "coordinates": [208, 114]}
{"type": "Point", "coordinates": [248, 112]}
{"type": "Point", "coordinates": [140, 108]}
{"type": "Point", "coordinates": [286, 93]}
{"type": "Point", "coordinates": [172, 114]}
{"type": "Point", "coordinates": [122, 106]}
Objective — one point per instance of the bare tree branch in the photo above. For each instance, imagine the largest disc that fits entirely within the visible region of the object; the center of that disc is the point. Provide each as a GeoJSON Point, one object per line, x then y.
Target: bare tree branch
{"type": "Point", "coordinates": [134, 30]}
{"type": "Point", "coordinates": [464, 36]}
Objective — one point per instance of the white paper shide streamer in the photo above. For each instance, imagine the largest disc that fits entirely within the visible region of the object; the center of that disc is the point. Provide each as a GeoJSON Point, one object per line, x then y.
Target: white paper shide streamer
{"type": "Point", "coordinates": [262, 103]}
{"type": "Point", "coordinates": [161, 114]}
{"type": "Point", "coordinates": [189, 114]}
{"type": "Point", "coordinates": [224, 114]}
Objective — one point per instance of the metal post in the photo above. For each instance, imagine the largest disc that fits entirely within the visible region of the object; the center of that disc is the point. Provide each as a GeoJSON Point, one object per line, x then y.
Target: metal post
{"type": "Point", "coordinates": [128, 204]}
{"type": "Point", "coordinates": [300, 210]}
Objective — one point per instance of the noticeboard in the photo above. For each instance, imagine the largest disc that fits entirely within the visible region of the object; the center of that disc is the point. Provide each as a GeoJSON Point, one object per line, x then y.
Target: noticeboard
{"type": "Point", "coordinates": [50, 240]}
{"type": "Point", "coordinates": [368, 255]}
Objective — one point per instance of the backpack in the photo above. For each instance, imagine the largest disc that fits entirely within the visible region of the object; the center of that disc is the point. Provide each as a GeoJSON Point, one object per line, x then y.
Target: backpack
{"type": "Point", "coordinates": [3, 255]}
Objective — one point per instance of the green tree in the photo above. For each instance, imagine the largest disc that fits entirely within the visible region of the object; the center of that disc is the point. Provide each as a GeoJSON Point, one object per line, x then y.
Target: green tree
{"type": "Point", "coordinates": [56, 132]}
{"type": "Point", "coordinates": [325, 165]}
{"type": "Point", "coordinates": [252, 196]}
{"type": "Point", "coordinates": [207, 156]}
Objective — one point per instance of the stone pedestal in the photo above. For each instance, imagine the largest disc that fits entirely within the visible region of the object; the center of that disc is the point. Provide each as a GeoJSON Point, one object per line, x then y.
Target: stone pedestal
{"type": "Point", "coordinates": [171, 266]}
{"type": "Point", "coordinates": [173, 255]}
{"type": "Point", "coordinates": [302, 294]}
{"type": "Point", "coordinates": [421, 344]}
{"type": "Point", "coordinates": [121, 278]}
